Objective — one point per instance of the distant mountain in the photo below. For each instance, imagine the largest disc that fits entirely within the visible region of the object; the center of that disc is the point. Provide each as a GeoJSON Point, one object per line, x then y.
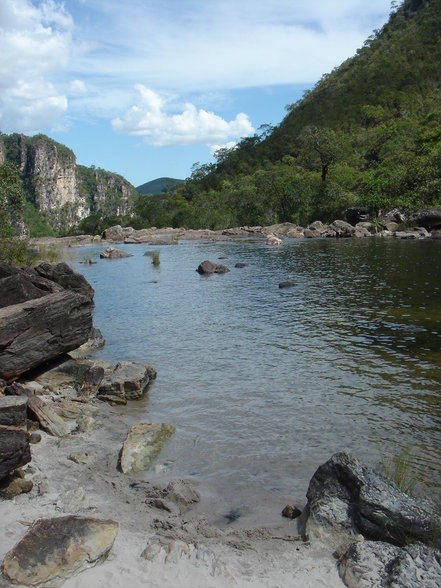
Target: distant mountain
{"type": "Point", "coordinates": [158, 186]}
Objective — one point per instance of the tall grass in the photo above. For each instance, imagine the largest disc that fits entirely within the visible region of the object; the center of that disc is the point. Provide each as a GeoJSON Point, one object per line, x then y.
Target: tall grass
{"type": "Point", "coordinates": [400, 469]}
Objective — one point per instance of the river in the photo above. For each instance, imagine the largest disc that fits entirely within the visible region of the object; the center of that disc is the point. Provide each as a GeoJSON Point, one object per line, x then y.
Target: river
{"type": "Point", "coordinates": [264, 384]}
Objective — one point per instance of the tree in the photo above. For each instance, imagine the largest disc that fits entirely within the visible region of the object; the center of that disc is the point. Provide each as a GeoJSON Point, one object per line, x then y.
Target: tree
{"type": "Point", "coordinates": [12, 200]}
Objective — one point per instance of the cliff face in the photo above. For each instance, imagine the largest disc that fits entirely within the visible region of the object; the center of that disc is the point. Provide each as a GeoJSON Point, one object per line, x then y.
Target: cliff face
{"type": "Point", "coordinates": [62, 191]}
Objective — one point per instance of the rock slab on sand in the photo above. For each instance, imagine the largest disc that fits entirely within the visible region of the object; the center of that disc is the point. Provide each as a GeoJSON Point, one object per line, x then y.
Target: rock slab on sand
{"type": "Point", "coordinates": [55, 549]}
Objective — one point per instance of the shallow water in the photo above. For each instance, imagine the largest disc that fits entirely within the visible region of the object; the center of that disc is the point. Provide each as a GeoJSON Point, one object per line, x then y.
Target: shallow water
{"type": "Point", "coordinates": [264, 384]}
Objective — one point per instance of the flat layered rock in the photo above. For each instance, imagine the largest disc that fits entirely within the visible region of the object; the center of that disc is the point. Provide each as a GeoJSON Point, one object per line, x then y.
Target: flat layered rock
{"type": "Point", "coordinates": [128, 381]}
{"type": "Point", "coordinates": [14, 450]}
{"type": "Point", "coordinates": [41, 411]}
{"type": "Point", "coordinates": [61, 274]}
{"type": "Point", "coordinates": [143, 443]}
{"type": "Point", "coordinates": [13, 411]}
{"type": "Point", "coordinates": [55, 549]}
{"type": "Point", "coordinates": [42, 329]}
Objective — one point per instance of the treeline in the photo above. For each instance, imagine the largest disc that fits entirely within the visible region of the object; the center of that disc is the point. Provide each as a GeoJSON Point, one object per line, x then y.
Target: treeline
{"type": "Point", "coordinates": [368, 134]}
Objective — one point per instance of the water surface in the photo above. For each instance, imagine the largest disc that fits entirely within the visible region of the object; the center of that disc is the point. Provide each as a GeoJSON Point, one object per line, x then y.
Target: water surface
{"type": "Point", "coordinates": [264, 384]}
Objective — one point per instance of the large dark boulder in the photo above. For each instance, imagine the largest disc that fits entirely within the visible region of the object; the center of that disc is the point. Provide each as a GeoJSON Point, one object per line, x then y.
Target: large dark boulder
{"type": "Point", "coordinates": [14, 450]}
{"type": "Point", "coordinates": [347, 498]}
{"type": "Point", "coordinates": [429, 218]}
{"type": "Point", "coordinates": [45, 312]}
{"type": "Point", "coordinates": [64, 276]}
{"type": "Point", "coordinates": [357, 215]}
{"type": "Point", "coordinates": [42, 329]}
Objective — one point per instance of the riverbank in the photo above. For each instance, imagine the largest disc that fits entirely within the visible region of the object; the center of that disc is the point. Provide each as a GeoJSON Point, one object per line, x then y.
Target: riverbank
{"type": "Point", "coordinates": [421, 228]}
{"type": "Point", "coordinates": [183, 549]}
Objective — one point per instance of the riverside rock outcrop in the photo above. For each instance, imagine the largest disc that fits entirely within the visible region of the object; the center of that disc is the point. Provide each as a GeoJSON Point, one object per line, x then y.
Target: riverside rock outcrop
{"type": "Point", "coordinates": [346, 498]}
{"type": "Point", "coordinates": [383, 536]}
{"type": "Point", "coordinates": [48, 320]}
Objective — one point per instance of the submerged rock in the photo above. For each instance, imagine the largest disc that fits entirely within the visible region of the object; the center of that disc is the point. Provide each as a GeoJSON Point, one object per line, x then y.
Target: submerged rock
{"type": "Point", "coordinates": [114, 253]}
{"type": "Point", "coordinates": [273, 240]}
{"type": "Point", "coordinates": [55, 549]}
{"type": "Point", "coordinates": [208, 267]}
{"type": "Point", "coordinates": [143, 443]}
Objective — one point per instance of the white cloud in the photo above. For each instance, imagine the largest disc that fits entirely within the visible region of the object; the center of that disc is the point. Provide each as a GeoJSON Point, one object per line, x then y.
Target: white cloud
{"type": "Point", "coordinates": [34, 45]}
{"type": "Point", "coordinates": [83, 59]}
{"type": "Point", "coordinates": [78, 87]}
{"type": "Point", "coordinates": [150, 120]}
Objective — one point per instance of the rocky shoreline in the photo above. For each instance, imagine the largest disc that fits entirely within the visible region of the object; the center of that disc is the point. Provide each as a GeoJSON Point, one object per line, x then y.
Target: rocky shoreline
{"type": "Point", "coordinates": [70, 451]}
{"type": "Point", "coordinates": [421, 225]}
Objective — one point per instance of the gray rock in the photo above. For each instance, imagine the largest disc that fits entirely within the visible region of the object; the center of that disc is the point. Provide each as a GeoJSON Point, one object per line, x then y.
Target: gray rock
{"type": "Point", "coordinates": [117, 233]}
{"type": "Point", "coordinates": [374, 563]}
{"type": "Point", "coordinates": [287, 284]}
{"type": "Point", "coordinates": [55, 549]}
{"type": "Point", "coordinates": [143, 443]}
{"type": "Point", "coordinates": [436, 234]}
{"type": "Point", "coordinates": [346, 498]}
{"type": "Point", "coordinates": [240, 265]}
{"type": "Point", "coordinates": [408, 235]}
{"type": "Point", "coordinates": [361, 232]}
{"type": "Point", "coordinates": [342, 228]}
{"type": "Point", "coordinates": [128, 381]}
{"type": "Point", "coordinates": [113, 253]}
{"type": "Point", "coordinates": [73, 501]}
{"type": "Point", "coordinates": [316, 226]}
{"type": "Point", "coordinates": [208, 267]}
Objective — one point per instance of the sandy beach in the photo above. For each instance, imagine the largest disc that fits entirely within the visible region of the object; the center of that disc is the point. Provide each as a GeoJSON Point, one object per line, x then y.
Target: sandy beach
{"type": "Point", "coordinates": [183, 549]}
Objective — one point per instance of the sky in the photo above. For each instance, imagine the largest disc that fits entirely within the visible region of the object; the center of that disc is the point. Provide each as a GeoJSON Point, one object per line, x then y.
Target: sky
{"type": "Point", "coordinates": [147, 88]}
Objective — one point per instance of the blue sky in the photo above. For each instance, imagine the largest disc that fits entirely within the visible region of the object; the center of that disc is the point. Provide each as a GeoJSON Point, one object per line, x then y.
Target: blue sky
{"type": "Point", "coordinates": [147, 88]}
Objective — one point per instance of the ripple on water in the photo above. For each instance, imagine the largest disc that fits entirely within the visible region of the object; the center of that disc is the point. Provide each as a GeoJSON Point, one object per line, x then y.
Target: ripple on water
{"type": "Point", "coordinates": [264, 384]}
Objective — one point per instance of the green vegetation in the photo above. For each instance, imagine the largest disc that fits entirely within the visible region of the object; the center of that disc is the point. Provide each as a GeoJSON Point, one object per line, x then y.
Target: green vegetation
{"type": "Point", "coordinates": [155, 257]}
{"type": "Point", "coordinates": [158, 186]}
{"type": "Point", "coordinates": [368, 134]}
{"type": "Point", "coordinates": [400, 470]}
{"type": "Point", "coordinates": [12, 200]}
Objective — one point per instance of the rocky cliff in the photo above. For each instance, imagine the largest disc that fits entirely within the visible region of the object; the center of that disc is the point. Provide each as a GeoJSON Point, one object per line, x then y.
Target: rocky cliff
{"type": "Point", "coordinates": [62, 191]}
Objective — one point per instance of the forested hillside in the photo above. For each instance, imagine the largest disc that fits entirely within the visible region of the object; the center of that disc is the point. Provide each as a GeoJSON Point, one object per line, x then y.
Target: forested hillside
{"type": "Point", "coordinates": [368, 134]}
